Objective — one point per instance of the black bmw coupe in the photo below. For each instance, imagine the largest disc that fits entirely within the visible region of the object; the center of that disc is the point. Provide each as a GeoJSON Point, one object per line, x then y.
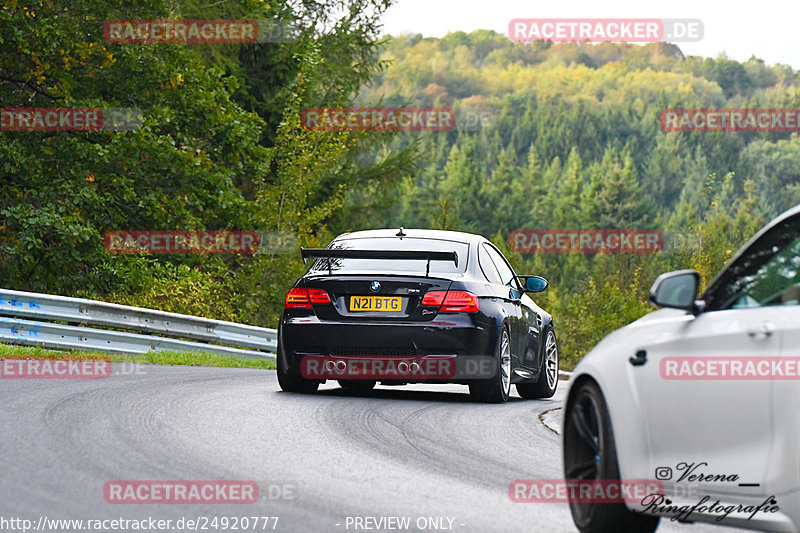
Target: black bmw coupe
{"type": "Point", "coordinates": [416, 306]}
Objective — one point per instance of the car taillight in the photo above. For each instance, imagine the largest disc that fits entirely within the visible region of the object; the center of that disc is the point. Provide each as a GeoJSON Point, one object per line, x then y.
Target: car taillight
{"type": "Point", "coordinates": [452, 301]}
{"type": "Point", "coordinates": [434, 298]}
{"type": "Point", "coordinates": [299, 298]}
{"type": "Point", "coordinates": [318, 296]}
{"type": "Point", "coordinates": [460, 302]}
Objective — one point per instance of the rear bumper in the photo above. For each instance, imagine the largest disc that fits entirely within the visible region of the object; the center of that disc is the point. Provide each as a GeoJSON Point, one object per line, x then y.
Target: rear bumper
{"type": "Point", "coordinates": [459, 336]}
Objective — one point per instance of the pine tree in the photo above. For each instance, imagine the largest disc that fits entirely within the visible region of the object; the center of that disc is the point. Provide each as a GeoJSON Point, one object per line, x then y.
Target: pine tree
{"type": "Point", "coordinates": [463, 186]}
{"type": "Point", "coordinates": [614, 199]}
{"type": "Point", "coordinates": [568, 193]}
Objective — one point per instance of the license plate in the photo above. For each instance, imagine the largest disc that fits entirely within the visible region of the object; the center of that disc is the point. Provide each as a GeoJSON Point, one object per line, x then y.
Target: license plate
{"type": "Point", "coordinates": [388, 304]}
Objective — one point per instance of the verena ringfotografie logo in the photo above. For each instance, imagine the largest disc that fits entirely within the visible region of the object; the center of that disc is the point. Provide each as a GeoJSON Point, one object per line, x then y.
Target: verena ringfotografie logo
{"type": "Point", "coordinates": [620, 241]}
{"type": "Point", "coordinates": [778, 120]}
{"type": "Point", "coordinates": [605, 30]}
{"type": "Point", "coordinates": [658, 505]}
{"type": "Point", "coordinates": [68, 119]}
{"type": "Point", "coordinates": [143, 31]}
{"type": "Point", "coordinates": [378, 119]}
{"type": "Point", "coordinates": [53, 369]}
{"type": "Point", "coordinates": [729, 368]}
{"type": "Point", "coordinates": [181, 242]}
{"type": "Point", "coordinates": [583, 490]}
{"type": "Point", "coordinates": [180, 492]}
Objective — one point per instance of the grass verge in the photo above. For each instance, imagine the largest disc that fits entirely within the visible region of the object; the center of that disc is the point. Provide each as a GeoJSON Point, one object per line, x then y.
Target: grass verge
{"type": "Point", "coordinates": [151, 358]}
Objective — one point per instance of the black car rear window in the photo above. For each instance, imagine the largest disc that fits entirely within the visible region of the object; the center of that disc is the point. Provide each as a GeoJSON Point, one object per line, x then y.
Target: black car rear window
{"type": "Point", "coordinates": [395, 266]}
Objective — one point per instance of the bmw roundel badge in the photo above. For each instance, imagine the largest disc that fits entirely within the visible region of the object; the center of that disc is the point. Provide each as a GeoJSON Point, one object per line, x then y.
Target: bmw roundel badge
{"type": "Point", "coordinates": [375, 286]}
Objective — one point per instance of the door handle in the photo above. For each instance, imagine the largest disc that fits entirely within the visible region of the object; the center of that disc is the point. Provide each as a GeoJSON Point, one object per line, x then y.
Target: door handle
{"type": "Point", "coordinates": [765, 331]}
{"type": "Point", "coordinates": [639, 359]}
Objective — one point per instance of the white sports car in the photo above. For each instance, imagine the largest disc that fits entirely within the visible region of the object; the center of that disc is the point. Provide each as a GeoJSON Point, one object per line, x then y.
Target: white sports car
{"type": "Point", "coordinates": [700, 398]}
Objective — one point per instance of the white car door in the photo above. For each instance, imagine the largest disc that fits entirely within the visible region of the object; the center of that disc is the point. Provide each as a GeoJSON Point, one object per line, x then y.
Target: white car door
{"type": "Point", "coordinates": [712, 384]}
{"type": "Point", "coordinates": [708, 426]}
{"type": "Point", "coordinates": [783, 475]}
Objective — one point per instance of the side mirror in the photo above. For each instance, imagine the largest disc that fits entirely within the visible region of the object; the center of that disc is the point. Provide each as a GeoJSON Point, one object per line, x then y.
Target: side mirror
{"type": "Point", "coordinates": [677, 290]}
{"type": "Point", "coordinates": [534, 283]}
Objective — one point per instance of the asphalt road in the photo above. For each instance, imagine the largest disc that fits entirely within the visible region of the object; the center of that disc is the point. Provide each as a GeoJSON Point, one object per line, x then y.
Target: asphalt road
{"type": "Point", "coordinates": [421, 452]}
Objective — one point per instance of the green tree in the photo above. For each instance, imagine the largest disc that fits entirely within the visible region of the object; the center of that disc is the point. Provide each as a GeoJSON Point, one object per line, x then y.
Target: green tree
{"type": "Point", "coordinates": [613, 197]}
{"type": "Point", "coordinates": [463, 186]}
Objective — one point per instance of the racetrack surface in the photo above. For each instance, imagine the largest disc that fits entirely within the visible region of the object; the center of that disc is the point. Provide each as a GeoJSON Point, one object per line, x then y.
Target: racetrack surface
{"type": "Point", "coordinates": [418, 451]}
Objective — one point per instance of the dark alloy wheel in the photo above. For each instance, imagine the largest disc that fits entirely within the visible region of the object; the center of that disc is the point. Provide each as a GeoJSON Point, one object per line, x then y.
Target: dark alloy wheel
{"type": "Point", "coordinates": [497, 388]}
{"type": "Point", "coordinates": [590, 454]}
{"type": "Point", "coordinates": [290, 380]}
{"type": "Point", "coordinates": [547, 383]}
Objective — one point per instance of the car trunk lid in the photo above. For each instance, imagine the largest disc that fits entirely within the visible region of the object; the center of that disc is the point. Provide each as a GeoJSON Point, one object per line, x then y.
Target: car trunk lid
{"type": "Point", "coordinates": [365, 297]}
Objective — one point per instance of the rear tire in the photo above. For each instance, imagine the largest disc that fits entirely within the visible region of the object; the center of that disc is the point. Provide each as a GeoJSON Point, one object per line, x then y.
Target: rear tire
{"type": "Point", "coordinates": [590, 454]}
{"type": "Point", "coordinates": [290, 380]}
{"type": "Point", "coordinates": [497, 388]}
{"type": "Point", "coordinates": [362, 385]}
{"type": "Point", "coordinates": [546, 385]}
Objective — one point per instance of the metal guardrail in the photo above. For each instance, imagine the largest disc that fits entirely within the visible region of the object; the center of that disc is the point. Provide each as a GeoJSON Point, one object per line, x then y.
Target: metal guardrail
{"type": "Point", "coordinates": [26, 318]}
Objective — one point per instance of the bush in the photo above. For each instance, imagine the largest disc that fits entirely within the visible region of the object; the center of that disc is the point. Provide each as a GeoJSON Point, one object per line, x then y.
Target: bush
{"type": "Point", "coordinates": [199, 291]}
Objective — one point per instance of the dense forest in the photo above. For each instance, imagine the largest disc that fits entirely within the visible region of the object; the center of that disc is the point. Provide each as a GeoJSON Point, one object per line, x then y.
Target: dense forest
{"type": "Point", "coordinates": [567, 136]}
{"type": "Point", "coordinates": [219, 148]}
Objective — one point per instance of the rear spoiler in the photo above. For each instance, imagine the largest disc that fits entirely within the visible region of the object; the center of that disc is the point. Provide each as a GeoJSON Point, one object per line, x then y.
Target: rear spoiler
{"type": "Point", "coordinates": [330, 253]}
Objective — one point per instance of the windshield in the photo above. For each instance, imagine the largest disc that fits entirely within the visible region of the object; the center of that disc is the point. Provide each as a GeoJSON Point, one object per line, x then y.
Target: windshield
{"type": "Point", "coordinates": [768, 273]}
